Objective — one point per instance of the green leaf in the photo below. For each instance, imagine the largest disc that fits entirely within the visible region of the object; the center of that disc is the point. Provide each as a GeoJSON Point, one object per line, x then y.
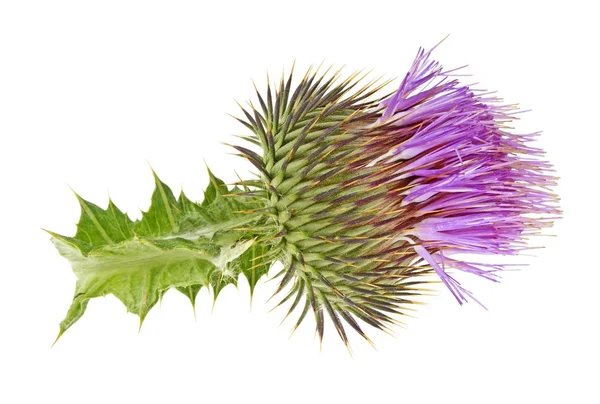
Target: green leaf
{"type": "Point", "coordinates": [215, 190]}
{"type": "Point", "coordinates": [255, 263]}
{"type": "Point", "coordinates": [164, 213]}
{"type": "Point", "coordinates": [98, 227]}
{"type": "Point", "coordinates": [191, 292]}
{"type": "Point", "coordinates": [177, 244]}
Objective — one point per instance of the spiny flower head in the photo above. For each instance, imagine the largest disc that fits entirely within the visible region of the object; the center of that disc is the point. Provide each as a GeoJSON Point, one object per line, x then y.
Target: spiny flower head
{"type": "Point", "coordinates": [371, 195]}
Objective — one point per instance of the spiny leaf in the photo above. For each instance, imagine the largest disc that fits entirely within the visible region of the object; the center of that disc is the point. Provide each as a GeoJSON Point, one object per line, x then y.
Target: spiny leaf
{"type": "Point", "coordinates": [255, 263]}
{"type": "Point", "coordinates": [191, 292]}
{"type": "Point", "coordinates": [215, 190]}
{"type": "Point", "coordinates": [99, 227]}
{"type": "Point", "coordinates": [177, 244]}
{"type": "Point", "coordinates": [163, 215]}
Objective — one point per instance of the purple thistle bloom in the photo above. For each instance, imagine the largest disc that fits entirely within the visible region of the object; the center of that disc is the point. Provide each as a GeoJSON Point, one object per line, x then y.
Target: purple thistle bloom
{"type": "Point", "coordinates": [465, 184]}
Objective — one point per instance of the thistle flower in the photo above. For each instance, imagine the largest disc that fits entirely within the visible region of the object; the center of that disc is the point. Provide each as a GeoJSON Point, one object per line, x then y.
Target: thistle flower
{"type": "Point", "coordinates": [360, 195]}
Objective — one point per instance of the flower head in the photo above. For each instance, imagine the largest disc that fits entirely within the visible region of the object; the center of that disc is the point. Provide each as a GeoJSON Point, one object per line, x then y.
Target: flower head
{"type": "Point", "coordinates": [370, 195]}
{"type": "Point", "coordinates": [467, 183]}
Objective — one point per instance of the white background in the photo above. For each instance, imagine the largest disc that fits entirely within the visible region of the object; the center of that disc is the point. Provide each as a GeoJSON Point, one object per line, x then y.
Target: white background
{"type": "Point", "coordinates": [90, 92]}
